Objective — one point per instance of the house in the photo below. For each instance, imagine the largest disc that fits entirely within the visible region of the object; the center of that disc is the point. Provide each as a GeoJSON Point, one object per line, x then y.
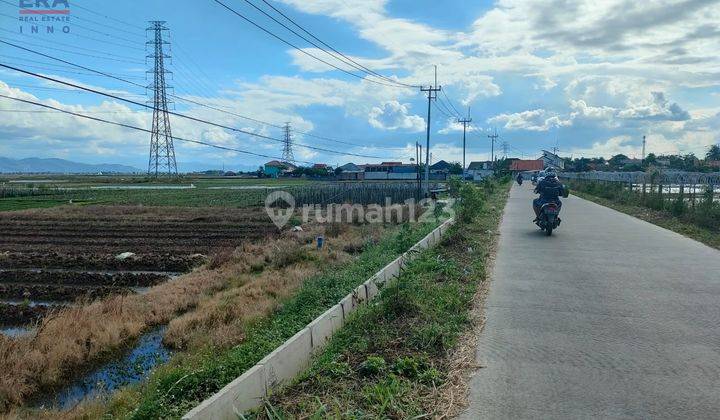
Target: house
{"type": "Point", "coordinates": [527, 165]}
{"type": "Point", "coordinates": [440, 167]}
{"type": "Point", "coordinates": [713, 163]}
{"type": "Point", "coordinates": [479, 170]}
{"type": "Point", "coordinates": [275, 168]}
{"type": "Point", "coordinates": [390, 170]}
{"type": "Point", "coordinates": [552, 160]}
{"type": "Point", "coordinates": [351, 172]}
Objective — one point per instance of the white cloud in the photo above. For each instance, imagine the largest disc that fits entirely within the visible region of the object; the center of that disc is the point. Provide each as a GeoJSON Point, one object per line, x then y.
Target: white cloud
{"type": "Point", "coordinates": [533, 120]}
{"type": "Point", "coordinates": [392, 115]}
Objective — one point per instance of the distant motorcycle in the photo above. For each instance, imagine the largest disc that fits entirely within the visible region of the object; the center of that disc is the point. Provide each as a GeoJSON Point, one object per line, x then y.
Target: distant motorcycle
{"type": "Point", "coordinates": [549, 218]}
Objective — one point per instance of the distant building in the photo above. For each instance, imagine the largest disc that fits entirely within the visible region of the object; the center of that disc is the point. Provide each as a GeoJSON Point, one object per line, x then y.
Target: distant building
{"type": "Point", "coordinates": [390, 171]}
{"type": "Point", "coordinates": [441, 167]}
{"type": "Point", "coordinates": [275, 168]}
{"type": "Point", "coordinates": [351, 172]}
{"type": "Point", "coordinates": [552, 160]}
{"type": "Point", "coordinates": [527, 165]}
{"type": "Point", "coordinates": [479, 170]}
{"type": "Point", "coordinates": [713, 163]}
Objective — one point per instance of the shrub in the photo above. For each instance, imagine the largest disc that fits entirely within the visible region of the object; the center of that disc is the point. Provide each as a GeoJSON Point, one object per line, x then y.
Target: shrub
{"type": "Point", "coordinates": [472, 201]}
{"type": "Point", "coordinates": [373, 365]}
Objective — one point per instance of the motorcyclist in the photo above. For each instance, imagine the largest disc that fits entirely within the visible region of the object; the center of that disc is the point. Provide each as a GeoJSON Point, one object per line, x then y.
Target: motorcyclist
{"type": "Point", "coordinates": [550, 190]}
{"type": "Point", "coordinates": [519, 179]}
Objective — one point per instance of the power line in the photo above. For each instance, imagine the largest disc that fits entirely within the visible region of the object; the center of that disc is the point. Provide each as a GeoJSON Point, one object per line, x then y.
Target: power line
{"type": "Point", "coordinates": [59, 89]}
{"type": "Point", "coordinates": [451, 104]}
{"type": "Point", "coordinates": [329, 46]}
{"type": "Point", "coordinates": [60, 70]}
{"type": "Point", "coordinates": [267, 31]}
{"type": "Point", "coordinates": [112, 57]}
{"type": "Point", "coordinates": [190, 100]}
{"type": "Point", "coordinates": [441, 105]}
{"type": "Point", "coordinates": [181, 115]}
{"type": "Point", "coordinates": [345, 59]}
{"type": "Point", "coordinates": [75, 5]}
{"type": "Point", "coordinates": [102, 120]}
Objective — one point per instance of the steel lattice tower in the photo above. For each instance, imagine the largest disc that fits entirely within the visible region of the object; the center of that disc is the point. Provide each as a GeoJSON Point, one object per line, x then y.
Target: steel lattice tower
{"type": "Point", "coordinates": [162, 151]}
{"type": "Point", "coordinates": [287, 154]}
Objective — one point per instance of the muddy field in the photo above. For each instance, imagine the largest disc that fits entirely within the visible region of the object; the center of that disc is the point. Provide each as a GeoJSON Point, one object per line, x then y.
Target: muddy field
{"type": "Point", "coordinates": [72, 253]}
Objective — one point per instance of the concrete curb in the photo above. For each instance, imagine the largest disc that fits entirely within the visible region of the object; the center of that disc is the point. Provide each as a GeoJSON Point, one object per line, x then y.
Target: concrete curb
{"type": "Point", "coordinates": [278, 368]}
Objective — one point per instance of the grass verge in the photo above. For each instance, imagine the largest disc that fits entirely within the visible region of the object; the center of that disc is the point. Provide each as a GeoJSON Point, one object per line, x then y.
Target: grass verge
{"type": "Point", "coordinates": [174, 389]}
{"type": "Point", "coordinates": [659, 218]}
{"type": "Point", "coordinates": [393, 359]}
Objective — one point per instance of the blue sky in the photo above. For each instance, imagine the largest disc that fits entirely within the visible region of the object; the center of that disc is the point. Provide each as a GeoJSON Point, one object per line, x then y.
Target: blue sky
{"type": "Point", "coordinates": [590, 77]}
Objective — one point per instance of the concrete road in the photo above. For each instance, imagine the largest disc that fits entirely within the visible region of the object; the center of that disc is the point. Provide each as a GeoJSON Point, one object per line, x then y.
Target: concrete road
{"type": "Point", "coordinates": [611, 317]}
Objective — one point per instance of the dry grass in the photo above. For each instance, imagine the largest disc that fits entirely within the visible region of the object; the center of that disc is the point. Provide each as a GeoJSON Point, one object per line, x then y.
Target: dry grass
{"type": "Point", "coordinates": [205, 307]}
{"type": "Point", "coordinates": [219, 319]}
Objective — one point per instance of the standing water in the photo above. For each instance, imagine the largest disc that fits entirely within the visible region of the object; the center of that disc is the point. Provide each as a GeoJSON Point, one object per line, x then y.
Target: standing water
{"type": "Point", "coordinates": [132, 368]}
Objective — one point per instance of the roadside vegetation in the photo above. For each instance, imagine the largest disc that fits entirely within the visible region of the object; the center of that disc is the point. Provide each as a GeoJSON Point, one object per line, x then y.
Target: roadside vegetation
{"type": "Point", "coordinates": [398, 357]}
{"type": "Point", "coordinates": [698, 219]}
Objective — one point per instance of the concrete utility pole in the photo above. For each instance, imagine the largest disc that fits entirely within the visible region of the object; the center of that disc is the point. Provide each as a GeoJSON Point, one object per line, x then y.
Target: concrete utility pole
{"type": "Point", "coordinates": [493, 137]}
{"type": "Point", "coordinates": [432, 95]}
{"type": "Point", "coordinates": [464, 122]}
{"type": "Point", "coordinates": [643, 151]}
{"type": "Point", "coordinates": [418, 157]}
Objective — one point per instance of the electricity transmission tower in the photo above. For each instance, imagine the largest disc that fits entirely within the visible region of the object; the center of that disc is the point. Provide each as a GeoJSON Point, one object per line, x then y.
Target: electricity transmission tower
{"type": "Point", "coordinates": [162, 150]}
{"type": "Point", "coordinates": [287, 154]}
{"type": "Point", "coordinates": [505, 149]}
{"type": "Point", "coordinates": [464, 122]}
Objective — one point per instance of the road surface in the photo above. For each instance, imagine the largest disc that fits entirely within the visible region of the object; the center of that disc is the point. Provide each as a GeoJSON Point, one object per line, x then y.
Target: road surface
{"type": "Point", "coordinates": [611, 317]}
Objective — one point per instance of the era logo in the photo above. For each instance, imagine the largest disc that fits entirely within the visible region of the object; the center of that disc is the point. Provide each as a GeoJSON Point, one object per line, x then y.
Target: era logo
{"type": "Point", "coordinates": [28, 4]}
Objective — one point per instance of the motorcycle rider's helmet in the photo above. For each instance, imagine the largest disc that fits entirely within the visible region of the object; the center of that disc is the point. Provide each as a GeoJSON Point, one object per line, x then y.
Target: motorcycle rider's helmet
{"type": "Point", "coordinates": [550, 173]}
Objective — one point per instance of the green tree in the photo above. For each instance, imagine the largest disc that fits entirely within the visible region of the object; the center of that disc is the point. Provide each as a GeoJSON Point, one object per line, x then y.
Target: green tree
{"type": "Point", "coordinates": [617, 160]}
{"type": "Point", "coordinates": [713, 152]}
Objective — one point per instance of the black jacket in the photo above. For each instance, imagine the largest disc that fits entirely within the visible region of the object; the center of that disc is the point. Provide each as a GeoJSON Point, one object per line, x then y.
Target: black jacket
{"type": "Point", "coordinates": [550, 189]}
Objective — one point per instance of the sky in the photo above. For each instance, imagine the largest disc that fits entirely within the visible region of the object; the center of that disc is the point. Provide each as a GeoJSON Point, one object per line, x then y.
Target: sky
{"type": "Point", "coordinates": [590, 78]}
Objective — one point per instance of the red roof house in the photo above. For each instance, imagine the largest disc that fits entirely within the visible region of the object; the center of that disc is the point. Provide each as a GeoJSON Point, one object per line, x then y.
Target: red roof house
{"type": "Point", "coordinates": [527, 165]}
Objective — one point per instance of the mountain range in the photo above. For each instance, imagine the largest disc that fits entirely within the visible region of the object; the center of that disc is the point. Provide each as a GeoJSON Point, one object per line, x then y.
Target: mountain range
{"type": "Point", "coordinates": [54, 165]}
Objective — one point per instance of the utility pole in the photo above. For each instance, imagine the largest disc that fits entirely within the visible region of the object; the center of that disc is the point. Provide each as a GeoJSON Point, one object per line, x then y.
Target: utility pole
{"type": "Point", "coordinates": [464, 122]}
{"type": "Point", "coordinates": [418, 155]}
{"type": "Point", "coordinates": [493, 137]}
{"type": "Point", "coordinates": [287, 154]}
{"type": "Point", "coordinates": [643, 152]}
{"type": "Point", "coordinates": [162, 151]}
{"type": "Point", "coordinates": [432, 95]}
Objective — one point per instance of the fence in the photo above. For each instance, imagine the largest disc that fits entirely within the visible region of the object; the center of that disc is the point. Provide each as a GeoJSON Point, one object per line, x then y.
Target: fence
{"type": "Point", "coordinates": [360, 193]}
{"type": "Point", "coordinates": [689, 186]}
{"type": "Point", "coordinates": [694, 197]}
{"type": "Point", "coordinates": [30, 191]}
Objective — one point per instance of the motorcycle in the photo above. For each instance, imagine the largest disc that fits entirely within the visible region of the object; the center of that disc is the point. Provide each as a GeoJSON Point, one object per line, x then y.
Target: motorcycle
{"type": "Point", "coordinates": [549, 218]}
